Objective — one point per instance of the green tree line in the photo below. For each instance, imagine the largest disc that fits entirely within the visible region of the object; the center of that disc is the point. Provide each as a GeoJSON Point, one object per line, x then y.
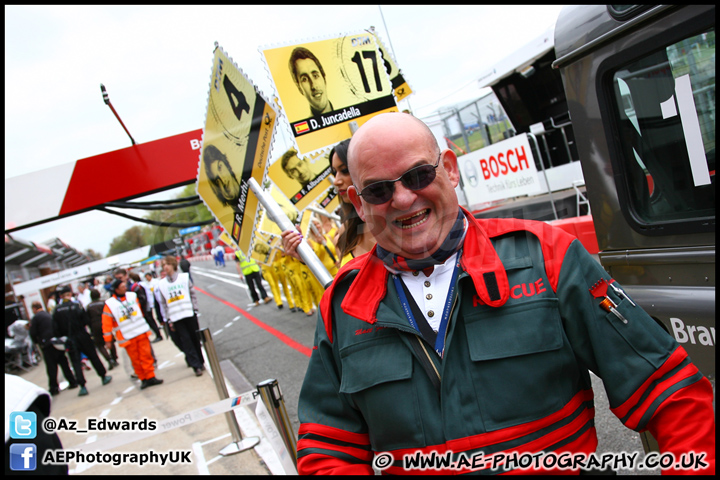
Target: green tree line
{"type": "Point", "coordinates": [141, 235]}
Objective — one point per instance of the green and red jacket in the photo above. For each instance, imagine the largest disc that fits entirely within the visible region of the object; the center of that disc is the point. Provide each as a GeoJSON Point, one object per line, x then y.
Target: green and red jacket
{"type": "Point", "coordinates": [524, 333]}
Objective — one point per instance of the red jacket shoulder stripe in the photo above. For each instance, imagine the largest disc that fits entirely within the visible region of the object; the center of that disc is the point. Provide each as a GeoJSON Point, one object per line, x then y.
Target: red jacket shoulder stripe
{"type": "Point", "coordinates": [554, 241]}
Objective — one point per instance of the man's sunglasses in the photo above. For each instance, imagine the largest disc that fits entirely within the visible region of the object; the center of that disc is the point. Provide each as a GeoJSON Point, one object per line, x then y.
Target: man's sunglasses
{"type": "Point", "coordinates": [416, 178]}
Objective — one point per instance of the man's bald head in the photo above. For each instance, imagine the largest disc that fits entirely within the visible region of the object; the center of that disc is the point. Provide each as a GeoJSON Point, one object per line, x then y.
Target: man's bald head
{"type": "Point", "coordinates": [383, 131]}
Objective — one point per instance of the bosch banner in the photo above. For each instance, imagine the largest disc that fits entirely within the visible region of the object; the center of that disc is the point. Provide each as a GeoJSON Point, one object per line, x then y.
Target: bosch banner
{"type": "Point", "coordinates": [503, 170]}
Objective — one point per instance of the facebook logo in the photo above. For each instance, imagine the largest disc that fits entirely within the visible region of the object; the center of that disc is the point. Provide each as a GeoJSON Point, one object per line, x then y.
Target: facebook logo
{"type": "Point", "coordinates": [23, 456]}
{"type": "Point", "coordinates": [23, 425]}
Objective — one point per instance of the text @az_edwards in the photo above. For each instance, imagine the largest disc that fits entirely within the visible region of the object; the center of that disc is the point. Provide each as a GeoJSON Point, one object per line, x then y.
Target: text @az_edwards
{"type": "Point", "coordinates": [92, 424]}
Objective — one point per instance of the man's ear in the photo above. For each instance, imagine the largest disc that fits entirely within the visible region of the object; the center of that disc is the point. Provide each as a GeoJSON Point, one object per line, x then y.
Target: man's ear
{"type": "Point", "coordinates": [450, 164]}
{"type": "Point", "coordinates": [355, 199]}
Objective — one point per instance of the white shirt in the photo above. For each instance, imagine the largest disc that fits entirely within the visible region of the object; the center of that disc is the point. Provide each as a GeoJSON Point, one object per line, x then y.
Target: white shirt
{"type": "Point", "coordinates": [84, 297]}
{"type": "Point", "coordinates": [19, 333]}
{"type": "Point", "coordinates": [431, 292]}
{"type": "Point", "coordinates": [128, 316]}
{"type": "Point", "coordinates": [149, 289]}
{"type": "Point", "coordinates": [178, 299]}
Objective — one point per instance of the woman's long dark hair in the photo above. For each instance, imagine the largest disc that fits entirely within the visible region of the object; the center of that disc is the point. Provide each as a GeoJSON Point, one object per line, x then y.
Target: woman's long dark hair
{"type": "Point", "coordinates": [349, 239]}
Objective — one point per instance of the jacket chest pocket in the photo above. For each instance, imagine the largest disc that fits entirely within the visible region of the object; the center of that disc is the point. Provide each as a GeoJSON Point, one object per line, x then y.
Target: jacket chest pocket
{"type": "Point", "coordinates": [377, 376]}
{"type": "Point", "coordinates": [522, 365]}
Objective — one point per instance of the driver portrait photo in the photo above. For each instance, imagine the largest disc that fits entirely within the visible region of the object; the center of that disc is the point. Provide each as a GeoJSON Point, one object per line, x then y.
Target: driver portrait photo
{"type": "Point", "coordinates": [309, 77]}
{"type": "Point", "coordinates": [220, 174]}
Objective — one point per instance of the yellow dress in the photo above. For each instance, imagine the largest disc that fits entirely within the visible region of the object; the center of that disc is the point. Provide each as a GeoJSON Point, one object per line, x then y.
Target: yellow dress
{"type": "Point", "coordinates": [279, 270]}
{"type": "Point", "coordinates": [300, 292]}
{"type": "Point", "coordinates": [324, 256]}
{"type": "Point", "coordinates": [312, 287]}
{"type": "Point", "coordinates": [268, 274]}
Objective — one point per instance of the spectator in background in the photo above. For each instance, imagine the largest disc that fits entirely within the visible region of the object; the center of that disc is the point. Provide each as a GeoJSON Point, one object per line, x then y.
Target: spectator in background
{"type": "Point", "coordinates": [152, 283]}
{"type": "Point", "coordinates": [122, 316]}
{"type": "Point", "coordinates": [83, 295]}
{"type": "Point", "coordinates": [185, 266]}
{"type": "Point", "coordinates": [160, 310]}
{"type": "Point", "coordinates": [41, 332]}
{"type": "Point", "coordinates": [220, 255]}
{"type": "Point", "coordinates": [107, 286]}
{"type": "Point", "coordinates": [213, 253]}
{"type": "Point", "coordinates": [149, 303]}
{"type": "Point", "coordinates": [137, 289]}
{"type": "Point", "coordinates": [250, 270]}
{"type": "Point", "coordinates": [292, 268]}
{"type": "Point", "coordinates": [19, 330]}
{"type": "Point", "coordinates": [279, 270]}
{"type": "Point", "coordinates": [94, 311]}
{"type": "Point", "coordinates": [268, 273]}
{"type": "Point", "coordinates": [52, 302]}
{"type": "Point", "coordinates": [71, 321]}
{"type": "Point", "coordinates": [180, 307]}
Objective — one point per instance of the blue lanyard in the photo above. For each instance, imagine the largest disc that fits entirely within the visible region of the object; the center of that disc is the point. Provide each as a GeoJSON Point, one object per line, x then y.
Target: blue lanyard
{"type": "Point", "coordinates": [440, 340]}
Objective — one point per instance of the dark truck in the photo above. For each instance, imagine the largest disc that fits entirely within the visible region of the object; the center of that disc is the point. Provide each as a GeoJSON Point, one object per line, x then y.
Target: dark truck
{"type": "Point", "coordinates": [639, 82]}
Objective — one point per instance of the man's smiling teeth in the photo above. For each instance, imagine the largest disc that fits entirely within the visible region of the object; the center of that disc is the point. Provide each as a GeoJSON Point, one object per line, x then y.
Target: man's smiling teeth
{"type": "Point", "coordinates": [401, 222]}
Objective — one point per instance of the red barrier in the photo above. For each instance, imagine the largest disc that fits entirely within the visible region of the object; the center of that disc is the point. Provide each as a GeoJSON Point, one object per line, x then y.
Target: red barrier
{"type": "Point", "coordinates": [582, 228]}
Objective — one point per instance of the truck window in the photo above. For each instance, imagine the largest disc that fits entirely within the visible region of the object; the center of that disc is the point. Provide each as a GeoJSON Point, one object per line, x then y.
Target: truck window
{"type": "Point", "coordinates": [664, 113]}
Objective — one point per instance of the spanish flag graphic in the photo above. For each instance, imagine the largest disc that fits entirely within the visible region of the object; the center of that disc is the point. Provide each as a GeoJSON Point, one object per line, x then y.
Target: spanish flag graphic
{"type": "Point", "coordinates": [301, 127]}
